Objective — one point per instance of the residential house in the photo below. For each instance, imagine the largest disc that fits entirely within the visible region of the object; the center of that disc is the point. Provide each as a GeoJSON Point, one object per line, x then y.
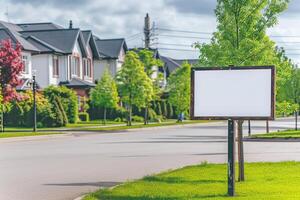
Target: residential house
{"type": "Point", "coordinates": [65, 56]}
{"type": "Point", "coordinates": [10, 31]}
{"type": "Point", "coordinates": [171, 64]}
{"type": "Point", "coordinates": [112, 55]}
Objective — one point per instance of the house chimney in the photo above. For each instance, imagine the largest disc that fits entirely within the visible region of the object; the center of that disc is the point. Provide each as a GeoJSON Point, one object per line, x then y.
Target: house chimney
{"type": "Point", "coordinates": [70, 24]}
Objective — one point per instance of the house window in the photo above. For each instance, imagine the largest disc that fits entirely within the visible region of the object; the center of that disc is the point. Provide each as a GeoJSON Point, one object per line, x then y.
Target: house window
{"type": "Point", "coordinates": [75, 66]}
{"type": "Point", "coordinates": [25, 61]}
{"type": "Point", "coordinates": [55, 69]}
{"type": "Point", "coordinates": [87, 67]}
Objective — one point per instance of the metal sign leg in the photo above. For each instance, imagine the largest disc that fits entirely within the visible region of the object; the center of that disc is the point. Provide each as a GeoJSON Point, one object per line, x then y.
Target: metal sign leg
{"type": "Point", "coordinates": [231, 160]}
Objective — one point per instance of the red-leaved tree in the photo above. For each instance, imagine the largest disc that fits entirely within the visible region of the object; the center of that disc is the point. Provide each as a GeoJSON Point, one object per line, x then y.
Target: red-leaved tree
{"type": "Point", "coordinates": [11, 66]}
{"type": "Point", "coordinates": [10, 69]}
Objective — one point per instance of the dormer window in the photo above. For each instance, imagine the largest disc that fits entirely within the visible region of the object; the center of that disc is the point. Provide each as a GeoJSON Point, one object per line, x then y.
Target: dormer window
{"type": "Point", "coordinates": [25, 61]}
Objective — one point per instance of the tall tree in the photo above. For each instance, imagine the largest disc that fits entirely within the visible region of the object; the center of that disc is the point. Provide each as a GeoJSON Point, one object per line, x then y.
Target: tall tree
{"type": "Point", "coordinates": [241, 39]}
{"type": "Point", "coordinates": [179, 88]}
{"type": "Point", "coordinates": [135, 87]}
{"type": "Point", "coordinates": [10, 69]}
{"type": "Point", "coordinates": [105, 94]}
{"type": "Point", "coordinates": [151, 65]}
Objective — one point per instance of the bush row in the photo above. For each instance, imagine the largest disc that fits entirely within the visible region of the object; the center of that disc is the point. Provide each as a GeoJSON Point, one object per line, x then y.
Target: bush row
{"type": "Point", "coordinates": [56, 106]}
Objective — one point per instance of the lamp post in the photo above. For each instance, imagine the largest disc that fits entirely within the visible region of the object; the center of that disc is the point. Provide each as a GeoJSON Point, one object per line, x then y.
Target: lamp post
{"type": "Point", "coordinates": [34, 99]}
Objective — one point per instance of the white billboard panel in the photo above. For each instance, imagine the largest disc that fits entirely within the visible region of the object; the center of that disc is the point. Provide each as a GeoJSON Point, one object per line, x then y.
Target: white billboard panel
{"type": "Point", "coordinates": [233, 93]}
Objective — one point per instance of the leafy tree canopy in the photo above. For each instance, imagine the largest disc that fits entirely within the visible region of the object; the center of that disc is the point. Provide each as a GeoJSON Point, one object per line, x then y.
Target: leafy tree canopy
{"type": "Point", "coordinates": [105, 93]}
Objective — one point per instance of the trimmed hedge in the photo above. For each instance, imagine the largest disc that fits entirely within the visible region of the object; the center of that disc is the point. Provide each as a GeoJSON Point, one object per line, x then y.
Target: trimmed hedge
{"type": "Point", "coordinates": [68, 99]}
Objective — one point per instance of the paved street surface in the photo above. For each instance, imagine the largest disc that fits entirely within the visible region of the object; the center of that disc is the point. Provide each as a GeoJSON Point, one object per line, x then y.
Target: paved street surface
{"type": "Point", "coordinates": [64, 167]}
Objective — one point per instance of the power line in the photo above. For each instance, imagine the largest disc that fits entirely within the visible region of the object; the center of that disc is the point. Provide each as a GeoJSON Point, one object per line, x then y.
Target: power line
{"type": "Point", "coordinates": [183, 31]}
{"type": "Point", "coordinates": [181, 36]}
{"type": "Point", "coordinates": [134, 35]}
{"type": "Point", "coordinates": [171, 49]}
{"type": "Point", "coordinates": [172, 44]}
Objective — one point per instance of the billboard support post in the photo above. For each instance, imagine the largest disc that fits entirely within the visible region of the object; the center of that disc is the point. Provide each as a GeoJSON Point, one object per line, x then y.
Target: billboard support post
{"type": "Point", "coordinates": [231, 160]}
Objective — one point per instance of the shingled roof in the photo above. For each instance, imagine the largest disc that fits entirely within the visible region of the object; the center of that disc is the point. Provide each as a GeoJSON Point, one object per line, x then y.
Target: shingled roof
{"type": "Point", "coordinates": [110, 48]}
{"type": "Point", "coordinates": [89, 39]}
{"type": "Point", "coordinates": [39, 26]}
{"type": "Point", "coordinates": [77, 83]}
{"type": "Point", "coordinates": [61, 39]}
{"type": "Point", "coordinates": [15, 37]}
{"type": "Point", "coordinates": [172, 64]}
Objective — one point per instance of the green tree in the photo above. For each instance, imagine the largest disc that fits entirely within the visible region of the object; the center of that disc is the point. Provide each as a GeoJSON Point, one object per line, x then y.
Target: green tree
{"type": "Point", "coordinates": [179, 88]}
{"type": "Point", "coordinates": [241, 40]}
{"type": "Point", "coordinates": [105, 94]}
{"type": "Point", "coordinates": [290, 91]}
{"type": "Point", "coordinates": [135, 87]}
{"type": "Point", "coordinates": [151, 66]}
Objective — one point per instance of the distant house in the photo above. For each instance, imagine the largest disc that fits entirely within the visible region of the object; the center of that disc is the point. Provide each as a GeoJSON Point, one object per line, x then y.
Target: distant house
{"type": "Point", "coordinates": [172, 64]}
{"type": "Point", "coordinates": [112, 55]}
{"type": "Point", "coordinates": [156, 69]}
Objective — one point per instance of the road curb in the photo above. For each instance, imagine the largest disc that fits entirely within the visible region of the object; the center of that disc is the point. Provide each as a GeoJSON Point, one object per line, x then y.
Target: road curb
{"type": "Point", "coordinates": [80, 198]}
{"type": "Point", "coordinates": [35, 137]}
{"type": "Point", "coordinates": [271, 139]}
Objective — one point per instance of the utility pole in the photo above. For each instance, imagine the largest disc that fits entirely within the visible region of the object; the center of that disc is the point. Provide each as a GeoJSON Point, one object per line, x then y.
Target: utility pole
{"type": "Point", "coordinates": [147, 31]}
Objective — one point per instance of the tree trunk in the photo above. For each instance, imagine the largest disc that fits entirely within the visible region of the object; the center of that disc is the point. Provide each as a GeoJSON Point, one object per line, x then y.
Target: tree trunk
{"type": "Point", "coordinates": [104, 116]}
{"type": "Point", "coordinates": [129, 115]}
{"type": "Point", "coordinates": [241, 151]}
{"type": "Point", "coordinates": [146, 116]}
{"type": "Point", "coordinates": [2, 118]}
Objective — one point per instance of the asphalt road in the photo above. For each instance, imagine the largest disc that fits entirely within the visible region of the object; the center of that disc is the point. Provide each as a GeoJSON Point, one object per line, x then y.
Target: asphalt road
{"type": "Point", "coordinates": [64, 167]}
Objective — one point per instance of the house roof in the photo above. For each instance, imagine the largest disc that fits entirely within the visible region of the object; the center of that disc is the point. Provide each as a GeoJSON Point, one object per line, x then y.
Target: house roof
{"type": "Point", "coordinates": [89, 39]}
{"type": "Point", "coordinates": [86, 35]}
{"type": "Point", "coordinates": [43, 46]}
{"type": "Point", "coordinates": [15, 37]}
{"type": "Point", "coordinates": [61, 39]}
{"type": "Point", "coordinates": [77, 83]}
{"type": "Point", "coordinates": [39, 26]}
{"type": "Point", "coordinates": [110, 48]}
{"type": "Point", "coordinates": [172, 64]}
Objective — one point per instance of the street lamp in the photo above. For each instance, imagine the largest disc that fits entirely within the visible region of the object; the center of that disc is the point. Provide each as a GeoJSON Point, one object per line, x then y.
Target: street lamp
{"type": "Point", "coordinates": [34, 99]}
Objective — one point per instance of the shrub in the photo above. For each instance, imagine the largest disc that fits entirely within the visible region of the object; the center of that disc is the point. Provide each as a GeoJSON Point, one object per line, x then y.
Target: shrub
{"type": "Point", "coordinates": [68, 100]}
{"type": "Point", "coordinates": [151, 114]}
{"type": "Point", "coordinates": [170, 111]}
{"type": "Point", "coordinates": [136, 118]}
{"type": "Point", "coordinates": [21, 112]}
{"type": "Point", "coordinates": [164, 109]}
{"type": "Point", "coordinates": [118, 119]}
{"type": "Point", "coordinates": [84, 116]}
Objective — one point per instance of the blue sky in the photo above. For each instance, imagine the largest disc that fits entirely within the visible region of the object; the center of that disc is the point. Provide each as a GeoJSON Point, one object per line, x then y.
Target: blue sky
{"type": "Point", "coordinates": [119, 18]}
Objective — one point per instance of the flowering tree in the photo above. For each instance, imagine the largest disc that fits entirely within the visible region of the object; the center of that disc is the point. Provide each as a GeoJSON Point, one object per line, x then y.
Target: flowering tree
{"type": "Point", "coordinates": [10, 68]}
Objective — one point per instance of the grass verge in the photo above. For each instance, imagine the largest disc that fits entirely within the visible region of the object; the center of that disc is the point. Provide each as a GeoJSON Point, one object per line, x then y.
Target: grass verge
{"type": "Point", "coordinates": [289, 134]}
{"type": "Point", "coordinates": [209, 181]}
{"type": "Point", "coordinates": [22, 134]}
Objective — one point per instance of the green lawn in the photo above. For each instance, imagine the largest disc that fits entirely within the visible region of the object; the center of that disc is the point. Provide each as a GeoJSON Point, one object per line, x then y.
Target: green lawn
{"type": "Point", "coordinates": [264, 181]}
{"type": "Point", "coordinates": [22, 134]}
{"type": "Point", "coordinates": [289, 134]}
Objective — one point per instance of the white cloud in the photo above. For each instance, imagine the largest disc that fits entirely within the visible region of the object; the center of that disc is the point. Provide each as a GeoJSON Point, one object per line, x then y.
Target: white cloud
{"type": "Point", "coordinates": [119, 18]}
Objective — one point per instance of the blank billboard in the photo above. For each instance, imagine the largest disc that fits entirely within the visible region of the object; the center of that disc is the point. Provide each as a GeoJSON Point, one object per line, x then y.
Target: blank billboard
{"type": "Point", "coordinates": [233, 93]}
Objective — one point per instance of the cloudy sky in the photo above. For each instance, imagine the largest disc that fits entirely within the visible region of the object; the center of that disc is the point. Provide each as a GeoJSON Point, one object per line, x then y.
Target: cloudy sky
{"type": "Point", "coordinates": [119, 18]}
